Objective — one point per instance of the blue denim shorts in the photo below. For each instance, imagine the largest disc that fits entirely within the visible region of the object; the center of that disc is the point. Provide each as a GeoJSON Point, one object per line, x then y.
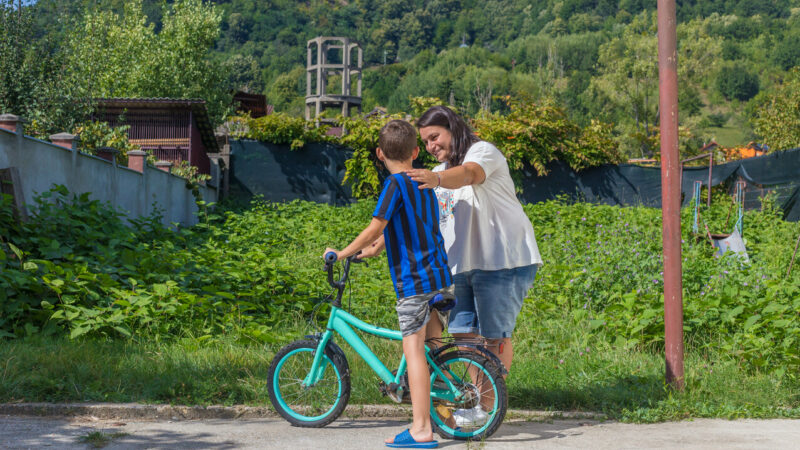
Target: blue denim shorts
{"type": "Point", "coordinates": [489, 301]}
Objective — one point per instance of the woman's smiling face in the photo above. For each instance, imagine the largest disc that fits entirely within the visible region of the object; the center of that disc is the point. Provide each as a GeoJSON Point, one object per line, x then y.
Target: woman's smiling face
{"type": "Point", "coordinates": [437, 141]}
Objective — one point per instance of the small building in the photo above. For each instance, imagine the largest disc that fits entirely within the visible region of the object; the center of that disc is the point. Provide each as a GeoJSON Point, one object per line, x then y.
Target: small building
{"type": "Point", "coordinates": [254, 104]}
{"type": "Point", "coordinates": [172, 129]}
{"type": "Point", "coordinates": [750, 150]}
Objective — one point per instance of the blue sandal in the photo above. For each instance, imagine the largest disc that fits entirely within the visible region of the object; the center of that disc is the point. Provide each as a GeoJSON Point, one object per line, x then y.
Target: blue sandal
{"type": "Point", "coordinates": [404, 440]}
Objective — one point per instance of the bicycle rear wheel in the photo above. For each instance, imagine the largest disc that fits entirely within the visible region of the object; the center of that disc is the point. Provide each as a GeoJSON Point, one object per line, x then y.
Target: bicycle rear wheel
{"type": "Point", "coordinates": [308, 406]}
{"type": "Point", "coordinates": [480, 383]}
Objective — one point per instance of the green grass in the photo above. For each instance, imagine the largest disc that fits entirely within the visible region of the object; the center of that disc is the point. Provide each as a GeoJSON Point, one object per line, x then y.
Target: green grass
{"type": "Point", "coordinates": [195, 317]}
{"type": "Point", "coordinates": [98, 439]}
{"type": "Point", "coordinates": [626, 385]}
{"type": "Point", "coordinates": [728, 136]}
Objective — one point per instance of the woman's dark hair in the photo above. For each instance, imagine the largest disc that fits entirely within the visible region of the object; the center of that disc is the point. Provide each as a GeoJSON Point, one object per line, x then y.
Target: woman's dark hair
{"type": "Point", "coordinates": [462, 135]}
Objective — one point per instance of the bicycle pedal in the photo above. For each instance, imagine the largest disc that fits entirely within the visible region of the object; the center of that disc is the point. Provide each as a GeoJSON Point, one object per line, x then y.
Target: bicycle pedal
{"type": "Point", "coordinates": [391, 392]}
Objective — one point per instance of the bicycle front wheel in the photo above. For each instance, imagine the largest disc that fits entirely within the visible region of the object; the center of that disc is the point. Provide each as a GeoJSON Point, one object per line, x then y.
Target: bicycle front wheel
{"type": "Point", "coordinates": [308, 405]}
{"type": "Point", "coordinates": [479, 409]}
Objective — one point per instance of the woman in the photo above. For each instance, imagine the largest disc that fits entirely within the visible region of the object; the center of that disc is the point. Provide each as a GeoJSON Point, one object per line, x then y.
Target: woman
{"type": "Point", "coordinates": [491, 247]}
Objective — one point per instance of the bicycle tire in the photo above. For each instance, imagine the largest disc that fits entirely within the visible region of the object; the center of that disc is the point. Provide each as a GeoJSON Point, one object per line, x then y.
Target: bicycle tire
{"type": "Point", "coordinates": [314, 406]}
{"type": "Point", "coordinates": [459, 362]}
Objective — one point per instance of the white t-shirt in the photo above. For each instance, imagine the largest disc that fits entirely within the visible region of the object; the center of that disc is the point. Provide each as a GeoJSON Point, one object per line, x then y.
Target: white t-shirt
{"type": "Point", "coordinates": [483, 225]}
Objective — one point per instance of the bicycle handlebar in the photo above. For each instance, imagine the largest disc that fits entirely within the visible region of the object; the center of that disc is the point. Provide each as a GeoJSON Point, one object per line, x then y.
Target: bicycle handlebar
{"type": "Point", "coordinates": [330, 259]}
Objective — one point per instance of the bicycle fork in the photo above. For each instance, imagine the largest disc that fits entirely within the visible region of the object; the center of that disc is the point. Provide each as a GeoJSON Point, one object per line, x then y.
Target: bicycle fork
{"type": "Point", "coordinates": [319, 364]}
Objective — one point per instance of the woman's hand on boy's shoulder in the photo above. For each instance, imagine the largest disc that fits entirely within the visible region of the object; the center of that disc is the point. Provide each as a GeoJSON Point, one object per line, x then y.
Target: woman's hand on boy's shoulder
{"type": "Point", "coordinates": [424, 177]}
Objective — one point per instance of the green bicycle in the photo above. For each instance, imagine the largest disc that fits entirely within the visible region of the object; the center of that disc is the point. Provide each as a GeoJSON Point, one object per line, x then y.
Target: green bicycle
{"type": "Point", "coordinates": [309, 379]}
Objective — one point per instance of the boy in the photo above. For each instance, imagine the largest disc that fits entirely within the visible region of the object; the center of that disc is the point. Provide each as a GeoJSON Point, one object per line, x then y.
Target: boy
{"type": "Point", "coordinates": [408, 219]}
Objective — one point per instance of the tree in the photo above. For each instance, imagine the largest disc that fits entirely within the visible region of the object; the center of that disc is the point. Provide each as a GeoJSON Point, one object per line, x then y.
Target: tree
{"type": "Point", "coordinates": [32, 81]}
{"type": "Point", "coordinates": [244, 74]}
{"type": "Point", "coordinates": [736, 82]}
{"type": "Point", "coordinates": [123, 56]}
{"type": "Point", "coordinates": [628, 74]}
{"type": "Point", "coordinates": [287, 92]}
{"type": "Point", "coordinates": [777, 118]}
{"type": "Point", "coordinates": [787, 52]}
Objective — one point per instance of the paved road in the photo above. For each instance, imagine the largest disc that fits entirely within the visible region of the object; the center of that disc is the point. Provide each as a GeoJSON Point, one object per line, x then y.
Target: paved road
{"type": "Point", "coordinates": [34, 432]}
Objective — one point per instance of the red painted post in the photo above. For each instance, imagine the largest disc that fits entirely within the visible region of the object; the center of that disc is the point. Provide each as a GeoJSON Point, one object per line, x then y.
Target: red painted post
{"type": "Point", "coordinates": [66, 140]}
{"type": "Point", "coordinates": [670, 192]}
{"type": "Point", "coordinates": [9, 122]}
{"type": "Point", "coordinates": [166, 166]}
{"type": "Point", "coordinates": [136, 160]}
{"type": "Point", "coordinates": [107, 153]}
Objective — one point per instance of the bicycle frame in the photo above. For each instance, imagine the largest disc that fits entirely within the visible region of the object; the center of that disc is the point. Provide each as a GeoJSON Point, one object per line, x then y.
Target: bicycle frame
{"type": "Point", "coordinates": [340, 322]}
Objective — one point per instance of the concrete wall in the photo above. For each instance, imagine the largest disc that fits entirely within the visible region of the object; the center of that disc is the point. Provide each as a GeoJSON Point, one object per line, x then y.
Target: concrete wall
{"type": "Point", "coordinates": [42, 165]}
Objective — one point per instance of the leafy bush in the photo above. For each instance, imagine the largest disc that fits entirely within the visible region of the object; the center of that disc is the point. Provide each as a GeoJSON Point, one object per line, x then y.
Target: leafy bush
{"type": "Point", "coordinates": [185, 170]}
{"type": "Point", "coordinates": [279, 128]}
{"type": "Point", "coordinates": [537, 134]}
{"type": "Point", "coordinates": [777, 117]}
{"type": "Point", "coordinates": [787, 53]}
{"type": "Point", "coordinates": [530, 134]}
{"type": "Point", "coordinates": [78, 268]}
{"type": "Point", "coordinates": [603, 269]}
{"type": "Point", "coordinates": [363, 166]}
{"type": "Point", "coordinates": [95, 135]}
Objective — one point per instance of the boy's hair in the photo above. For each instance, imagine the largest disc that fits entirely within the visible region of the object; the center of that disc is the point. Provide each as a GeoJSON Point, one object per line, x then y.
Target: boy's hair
{"type": "Point", "coordinates": [397, 139]}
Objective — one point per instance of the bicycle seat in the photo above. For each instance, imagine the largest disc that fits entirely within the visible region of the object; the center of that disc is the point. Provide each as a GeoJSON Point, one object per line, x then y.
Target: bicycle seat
{"type": "Point", "coordinates": [442, 302]}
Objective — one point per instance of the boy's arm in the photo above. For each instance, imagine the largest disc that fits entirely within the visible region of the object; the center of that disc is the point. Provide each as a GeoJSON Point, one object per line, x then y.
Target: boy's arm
{"type": "Point", "coordinates": [371, 233]}
{"type": "Point", "coordinates": [374, 249]}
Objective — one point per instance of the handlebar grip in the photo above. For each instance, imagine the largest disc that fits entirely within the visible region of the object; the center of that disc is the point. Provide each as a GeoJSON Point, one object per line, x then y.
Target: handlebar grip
{"type": "Point", "coordinates": [330, 258]}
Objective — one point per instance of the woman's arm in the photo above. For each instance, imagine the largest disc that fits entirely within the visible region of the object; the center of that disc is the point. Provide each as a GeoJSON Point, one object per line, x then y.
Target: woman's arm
{"type": "Point", "coordinates": [453, 178]}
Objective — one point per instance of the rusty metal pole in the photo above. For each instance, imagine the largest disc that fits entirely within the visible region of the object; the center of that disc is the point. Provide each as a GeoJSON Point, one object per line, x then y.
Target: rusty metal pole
{"type": "Point", "coordinates": [710, 168]}
{"type": "Point", "coordinates": [670, 192]}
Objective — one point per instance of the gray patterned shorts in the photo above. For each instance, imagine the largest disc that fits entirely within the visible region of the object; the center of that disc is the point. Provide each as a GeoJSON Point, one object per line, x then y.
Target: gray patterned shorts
{"type": "Point", "coordinates": [414, 312]}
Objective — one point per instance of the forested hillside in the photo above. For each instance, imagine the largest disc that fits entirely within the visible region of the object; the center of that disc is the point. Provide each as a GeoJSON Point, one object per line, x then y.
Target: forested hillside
{"type": "Point", "coordinates": [595, 58]}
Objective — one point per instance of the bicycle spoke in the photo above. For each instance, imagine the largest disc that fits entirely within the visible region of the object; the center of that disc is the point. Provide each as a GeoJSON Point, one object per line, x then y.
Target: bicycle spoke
{"type": "Point", "coordinates": [479, 386]}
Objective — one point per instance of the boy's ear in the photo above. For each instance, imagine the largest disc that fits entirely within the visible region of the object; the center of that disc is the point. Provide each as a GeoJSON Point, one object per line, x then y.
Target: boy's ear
{"type": "Point", "coordinates": [379, 154]}
{"type": "Point", "coordinates": [415, 153]}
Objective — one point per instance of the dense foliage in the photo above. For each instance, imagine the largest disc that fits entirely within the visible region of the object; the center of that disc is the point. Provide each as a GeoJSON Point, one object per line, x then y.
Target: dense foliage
{"type": "Point", "coordinates": [529, 135]}
{"type": "Point", "coordinates": [779, 119]}
{"type": "Point", "coordinates": [92, 136]}
{"type": "Point", "coordinates": [33, 84]}
{"type": "Point", "coordinates": [278, 128]}
{"type": "Point", "coordinates": [534, 135]}
{"type": "Point", "coordinates": [122, 55]}
{"type": "Point", "coordinates": [595, 59]}
{"type": "Point", "coordinates": [78, 268]}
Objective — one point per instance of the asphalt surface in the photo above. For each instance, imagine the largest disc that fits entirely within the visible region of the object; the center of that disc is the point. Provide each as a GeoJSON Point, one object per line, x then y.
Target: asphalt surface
{"type": "Point", "coordinates": [24, 432]}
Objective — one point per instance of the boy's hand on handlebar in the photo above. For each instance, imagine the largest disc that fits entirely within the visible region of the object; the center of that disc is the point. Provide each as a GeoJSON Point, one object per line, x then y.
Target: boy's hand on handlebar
{"type": "Point", "coordinates": [331, 250]}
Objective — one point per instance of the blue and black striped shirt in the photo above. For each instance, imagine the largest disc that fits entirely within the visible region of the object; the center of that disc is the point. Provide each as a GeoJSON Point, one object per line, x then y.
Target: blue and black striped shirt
{"type": "Point", "coordinates": [414, 244]}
